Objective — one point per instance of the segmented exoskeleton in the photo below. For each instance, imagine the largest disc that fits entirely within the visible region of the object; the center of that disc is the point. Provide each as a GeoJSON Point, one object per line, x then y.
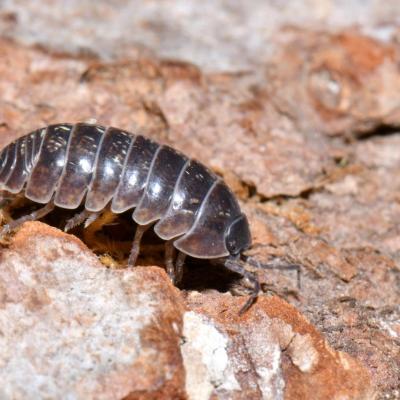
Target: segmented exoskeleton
{"type": "Point", "coordinates": [191, 208]}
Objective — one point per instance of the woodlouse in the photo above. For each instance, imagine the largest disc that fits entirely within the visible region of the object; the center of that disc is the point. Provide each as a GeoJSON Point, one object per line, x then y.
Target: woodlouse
{"type": "Point", "coordinates": [191, 208]}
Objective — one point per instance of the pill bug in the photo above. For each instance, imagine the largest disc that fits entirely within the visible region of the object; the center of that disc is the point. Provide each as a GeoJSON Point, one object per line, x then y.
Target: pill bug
{"type": "Point", "coordinates": [191, 208]}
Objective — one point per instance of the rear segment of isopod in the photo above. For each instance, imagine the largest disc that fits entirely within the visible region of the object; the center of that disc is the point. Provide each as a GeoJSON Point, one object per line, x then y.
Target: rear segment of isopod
{"type": "Point", "coordinates": [16, 161]}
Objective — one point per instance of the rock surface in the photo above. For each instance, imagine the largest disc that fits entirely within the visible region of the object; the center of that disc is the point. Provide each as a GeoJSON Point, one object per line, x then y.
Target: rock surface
{"type": "Point", "coordinates": [181, 29]}
{"type": "Point", "coordinates": [71, 328]}
{"type": "Point", "coordinates": [298, 108]}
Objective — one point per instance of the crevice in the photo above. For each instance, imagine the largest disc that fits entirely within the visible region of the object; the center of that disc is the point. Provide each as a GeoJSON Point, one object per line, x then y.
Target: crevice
{"type": "Point", "coordinates": [285, 348]}
{"type": "Point", "coordinates": [281, 197]}
{"type": "Point", "coordinates": [380, 130]}
{"type": "Point", "coordinates": [253, 194]}
{"type": "Point", "coordinates": [251, 363]}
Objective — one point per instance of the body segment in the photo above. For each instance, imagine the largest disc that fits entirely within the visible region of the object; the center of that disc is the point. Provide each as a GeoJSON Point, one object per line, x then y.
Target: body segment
{"type": "Point", "coordinates": [48, 167]}
{"type": "Point", "coordinates": [108, 169]}
{"type": "Point", "coordinates": [83, 146]}
{"type": "Point", "coordinates": [134, 175]}
{"type": "Point", "coordinates": [165, 170]}
{"type": "Point", "coordinates": [190, 191]}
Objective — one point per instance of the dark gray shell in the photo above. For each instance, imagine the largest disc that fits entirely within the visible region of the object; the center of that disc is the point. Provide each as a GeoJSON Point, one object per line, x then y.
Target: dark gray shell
{"type": "Point", "coordinates": [98, 166]}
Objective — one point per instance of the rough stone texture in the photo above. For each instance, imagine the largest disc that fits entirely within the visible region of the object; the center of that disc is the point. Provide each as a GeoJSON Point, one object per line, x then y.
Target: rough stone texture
{"type": "Point", "coordinates": [330, 82]}
{"type": "Point", "coordinates": [71, 328]}
{"type": "Point", "coordinates": [217, 35]}
{"type": "Point", "coordinates": [304, 128]}
{"type": "Point", "coordinates": [270, 353]}
{"type": "Point", "coordinates": [321, 68]}
{"type": "Point", "coordinates": [164, 99]}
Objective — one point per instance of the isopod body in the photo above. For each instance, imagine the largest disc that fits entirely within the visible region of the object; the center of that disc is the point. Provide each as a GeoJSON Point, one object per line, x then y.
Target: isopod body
{"type": "Point", "coordinates": [69, 165]}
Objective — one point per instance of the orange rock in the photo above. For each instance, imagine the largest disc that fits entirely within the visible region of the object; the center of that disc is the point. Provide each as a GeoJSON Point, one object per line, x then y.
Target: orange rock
{"type": "Point", "coordinates": [272, 352]}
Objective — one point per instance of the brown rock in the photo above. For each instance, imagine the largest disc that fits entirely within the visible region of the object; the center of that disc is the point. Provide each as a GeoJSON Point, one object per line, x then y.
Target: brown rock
{"type": "Point", "coordinates": [71, 328]}
{"type": "Point", "coordinates": [336, 83]}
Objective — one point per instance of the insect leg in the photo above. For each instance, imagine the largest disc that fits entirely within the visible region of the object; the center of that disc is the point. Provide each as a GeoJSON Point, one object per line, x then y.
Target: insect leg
{"type": "Point", "coordinates": [85, 216]}
{"type": "Point", "coordinates": [174, 268]}
{"type": "Point", "coordinates": [4, 209]}
{"type": "Point", "coordinates": [250, 278]}
{"type": "Point", "coordinates": [93, 226]}
{"type": "Point", "coordinates": [30, 217]}
{"type": "Point", "coordinates": [282, 267]}
{"type": "Point", "coordinates": [179, 263]}
{"type": "Point", "coordinates": [140, 230]}
{"type": "Point", "coordinates": [169, 260]}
